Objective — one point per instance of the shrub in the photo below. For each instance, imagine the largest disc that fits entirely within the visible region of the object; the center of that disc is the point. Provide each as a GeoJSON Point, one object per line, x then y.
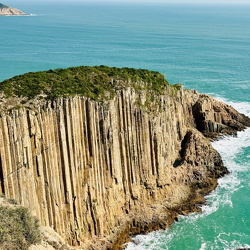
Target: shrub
{"type": "Point", "coordinates": [177, 86]}
{"type": "Point", "coordinates": [97, 83]}
{"type": "Point", "coordinates": [18, 229]}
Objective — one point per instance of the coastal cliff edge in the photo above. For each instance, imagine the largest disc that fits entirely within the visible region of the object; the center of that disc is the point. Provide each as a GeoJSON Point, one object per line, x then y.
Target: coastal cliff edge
{"type": "Point", "coordinates": [98, 170]}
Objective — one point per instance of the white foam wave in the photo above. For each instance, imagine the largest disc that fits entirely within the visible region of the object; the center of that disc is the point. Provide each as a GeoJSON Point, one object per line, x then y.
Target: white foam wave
{"type": "Point", "coordinates": [203, 246]}
{"type": "Point", "coordinates": [230, 146]}
{"type": "Point", "coordinates": [222, 241]}
{"type": "Point", "coordinates": [151, 241]}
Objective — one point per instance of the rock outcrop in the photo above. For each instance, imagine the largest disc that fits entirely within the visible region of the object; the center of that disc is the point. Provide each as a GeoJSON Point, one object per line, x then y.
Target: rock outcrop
{"type": "Point", "coordinates": [50, 240]}
{"type": "Point", "coordinates": [9, 11]}
{"type": "Point", "coordinates": [97, 171]}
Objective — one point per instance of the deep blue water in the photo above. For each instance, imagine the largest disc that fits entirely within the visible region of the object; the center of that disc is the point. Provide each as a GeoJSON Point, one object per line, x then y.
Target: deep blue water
{"type": "Point", "coordinates": [202, 47]}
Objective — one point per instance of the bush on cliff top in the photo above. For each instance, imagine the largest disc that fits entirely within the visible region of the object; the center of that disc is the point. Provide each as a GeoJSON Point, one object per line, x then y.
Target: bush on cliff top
{"type": "Point", "coordinates": [18, 229]}
{"type": "Point", "coordinates": [97, 83]}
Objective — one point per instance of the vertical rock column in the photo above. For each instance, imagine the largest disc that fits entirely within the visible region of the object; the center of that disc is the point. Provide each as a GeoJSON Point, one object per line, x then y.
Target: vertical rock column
{"type": "Point", "coordinates": [87, 168]}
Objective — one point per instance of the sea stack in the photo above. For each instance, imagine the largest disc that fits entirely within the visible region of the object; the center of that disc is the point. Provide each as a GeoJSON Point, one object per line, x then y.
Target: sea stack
{"type": "Point", "coordinates": [9, 11]}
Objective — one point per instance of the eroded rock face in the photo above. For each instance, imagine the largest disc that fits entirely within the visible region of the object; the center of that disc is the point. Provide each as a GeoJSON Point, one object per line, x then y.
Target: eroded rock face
{"type": "Point", "coordinates": [96, 172]}
{"type": "Point", "coordinates": [9, 11]}
{"type": "Point", "coordinates": [213, 117]}
{"type": "Point", "coordinates": [50, 241]}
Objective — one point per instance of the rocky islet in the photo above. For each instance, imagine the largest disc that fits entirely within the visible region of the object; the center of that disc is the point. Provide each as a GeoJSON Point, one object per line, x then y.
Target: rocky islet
{"type": "Point", "coordinates": [9, 11]}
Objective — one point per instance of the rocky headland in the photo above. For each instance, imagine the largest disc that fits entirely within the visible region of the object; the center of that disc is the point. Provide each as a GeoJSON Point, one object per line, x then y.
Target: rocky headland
{"type": "Point", "coordinates": [101, 153]}
{"type": "Point", "coordinates": [9, 11]}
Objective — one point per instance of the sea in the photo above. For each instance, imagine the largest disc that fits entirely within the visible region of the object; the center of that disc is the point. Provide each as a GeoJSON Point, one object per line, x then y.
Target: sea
{"type": "Point", "coordinates": [202, 47]}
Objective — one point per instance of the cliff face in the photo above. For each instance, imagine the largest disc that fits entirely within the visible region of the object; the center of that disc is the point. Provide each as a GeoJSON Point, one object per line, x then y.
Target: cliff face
{"type": "Point", "coordinates": [95, 171]}
{"type": "Point", "coordinates": [9, 11]}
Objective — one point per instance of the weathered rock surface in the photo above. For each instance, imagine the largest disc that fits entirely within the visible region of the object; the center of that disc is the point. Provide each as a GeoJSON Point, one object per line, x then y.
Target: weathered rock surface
{"type": "Point", "coordinates": [96, 172]}
{"type": "Point", "coordinates": [50, 241]}
{"type": "Point", "coordinates": [213, 117]}
{"type": "Point", "coordinates": [9, 11]}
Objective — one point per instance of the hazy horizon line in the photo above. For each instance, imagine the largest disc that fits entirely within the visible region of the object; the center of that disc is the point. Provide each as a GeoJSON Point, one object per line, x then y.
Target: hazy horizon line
{"type": "Point", "coordinates": [184, 2]}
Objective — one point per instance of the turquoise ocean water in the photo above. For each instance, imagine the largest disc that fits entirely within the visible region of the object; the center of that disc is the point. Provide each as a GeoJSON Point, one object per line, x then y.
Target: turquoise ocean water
{"type": "Point", "coordinates": [200, 46]}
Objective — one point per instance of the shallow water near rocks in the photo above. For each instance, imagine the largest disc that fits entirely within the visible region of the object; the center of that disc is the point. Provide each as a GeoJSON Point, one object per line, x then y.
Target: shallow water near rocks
{"type": "Point", "coordinates": [202, 47]}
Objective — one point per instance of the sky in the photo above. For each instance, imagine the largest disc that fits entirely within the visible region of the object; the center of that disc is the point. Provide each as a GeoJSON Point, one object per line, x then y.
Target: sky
{"type": "Point", "coordinates": [13, 2]}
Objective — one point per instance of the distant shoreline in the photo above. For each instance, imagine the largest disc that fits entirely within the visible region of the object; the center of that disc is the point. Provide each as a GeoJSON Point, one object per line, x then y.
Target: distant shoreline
{"type": "Point", "coordinates": [15, 15]}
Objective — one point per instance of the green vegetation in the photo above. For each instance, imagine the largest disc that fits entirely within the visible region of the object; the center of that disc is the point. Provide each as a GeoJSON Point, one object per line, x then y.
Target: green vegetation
{"type": "Point", "coordinates": [18, 229]}
{"type": "Point", "coordinates": [3, 6]}
{"type": "Point", "coordinates": [98, 82]}
{"type": "Point", "coordinates": [177, 86]}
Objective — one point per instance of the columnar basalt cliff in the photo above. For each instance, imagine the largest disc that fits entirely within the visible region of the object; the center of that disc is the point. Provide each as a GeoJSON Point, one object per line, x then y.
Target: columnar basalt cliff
{"type": "Point", "coordinates": [96, 171]}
